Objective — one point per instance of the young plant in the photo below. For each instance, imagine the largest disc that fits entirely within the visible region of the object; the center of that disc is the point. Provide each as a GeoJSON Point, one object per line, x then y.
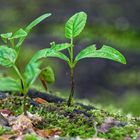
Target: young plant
{"type": "Point", "coordinates": [73, 28]}
{"type": "Point", "coordinates": [9, 54]}
{"type": "Point", "coordinates": [47, 76]}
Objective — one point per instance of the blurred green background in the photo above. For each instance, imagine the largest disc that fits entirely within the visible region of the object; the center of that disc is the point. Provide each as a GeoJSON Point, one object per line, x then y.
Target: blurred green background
{"type": "Point", "coordinates": [111, 22]}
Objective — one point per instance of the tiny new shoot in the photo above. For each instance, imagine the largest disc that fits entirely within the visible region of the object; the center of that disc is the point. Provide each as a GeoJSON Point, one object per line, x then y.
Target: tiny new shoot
{"type": "Point", "coordinates": [47, 76]}
{"type": "Point", "coordinates": [9, 53]}
{"type": "Point", "coordinates": [73, 28]}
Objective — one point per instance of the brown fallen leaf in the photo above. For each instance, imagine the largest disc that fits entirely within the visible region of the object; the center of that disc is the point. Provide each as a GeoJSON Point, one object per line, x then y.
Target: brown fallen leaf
{"type": "Point", "coordinates": [48, 133]}
{"type": "Point", "coordinates": [3, 138]}
{"type": "Point", "coordinates": [40, 101]}
{"type": "Point", "coordinates": [7, 136]}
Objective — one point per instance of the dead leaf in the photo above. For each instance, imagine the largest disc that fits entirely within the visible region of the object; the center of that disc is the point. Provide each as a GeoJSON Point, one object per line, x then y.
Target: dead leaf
{"type": "Point", "coordinates": [7, 136]}
{"type": "Point", "coordinates": [4, 138]}
{"type": "Point", "coordinates": [49, 133]}
{"type": "Point", "coordinates": [40, 101]}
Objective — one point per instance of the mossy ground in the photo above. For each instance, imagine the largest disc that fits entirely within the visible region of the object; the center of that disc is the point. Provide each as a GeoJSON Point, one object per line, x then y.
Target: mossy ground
{"type": "Point", "coordinates": [77, 120]}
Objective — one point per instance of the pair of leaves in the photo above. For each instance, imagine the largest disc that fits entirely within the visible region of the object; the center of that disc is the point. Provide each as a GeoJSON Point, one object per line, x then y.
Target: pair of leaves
{"type": "Point", "coordinates": [91, 52]}
{"type": "Point", "coordinates": [10, 36]}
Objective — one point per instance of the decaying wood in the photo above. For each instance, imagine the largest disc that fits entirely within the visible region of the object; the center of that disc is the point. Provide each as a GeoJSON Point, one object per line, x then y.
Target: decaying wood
{"type": "Point", "coordinates": [54, 99]}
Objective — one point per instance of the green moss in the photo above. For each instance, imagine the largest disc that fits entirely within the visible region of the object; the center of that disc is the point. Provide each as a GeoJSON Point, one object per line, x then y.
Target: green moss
{"type": "Point", "coordinates": [31, 137]}
{"type": "Point", "coordinates": [2, 130]}
{"type": "Point", "coordinates": [77, 121]}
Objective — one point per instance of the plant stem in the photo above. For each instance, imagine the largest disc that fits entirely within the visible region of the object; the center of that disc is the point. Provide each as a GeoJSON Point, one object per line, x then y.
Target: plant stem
{"type": "Point", "coordinates": [24, 104]}
{"type": "Point", "coordinates": [71, 75]}
{"type": "Point", "coordinates": [72, 86]}
{"type": "Point", "coordinates": [23, 89]}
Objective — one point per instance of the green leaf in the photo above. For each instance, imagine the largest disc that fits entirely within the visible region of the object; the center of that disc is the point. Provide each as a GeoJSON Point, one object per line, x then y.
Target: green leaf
{"type": "Point", "coordinates": [75, 25]}
{"type": "Point", "coordinates": [40, 55]}
{"type": "Point", "coordinates": [7, 56]}
{"type": "Point", "coordinates": [86, 52]}
{"type": "Point", "coordinates": [32, 69]}
{"type": "Point", "coordinates": [5, 37]}
{"type": "Point", "coordinates": [36, 21]}
{"type": "Point", "coordinates": [9, 84]}
{"type": "Point", "coordinates": [48, 75]}
{"type": "Point", "coordinates": [31, 72]}
{"type": "Point", "coordinates": [52, 52]}
{"type": "Point", "coordinates": [30, 26]}
{"type": "Point", "coordinates": [59, 47]}
{"type": "Point", "coordinates": [105, 52]}
{"type": "Point", "coordinates": [59, 55]}
{"type": "Point", "coordinates": [18, 34]}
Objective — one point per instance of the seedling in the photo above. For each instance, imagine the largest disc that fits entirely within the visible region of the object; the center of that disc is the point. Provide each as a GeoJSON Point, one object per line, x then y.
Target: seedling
{"type": "Point", "coordinates": [73, 28]}
{"type": "Point", "coordinates": [47, 76]}
{"type": "Point", "coordinates": [9, 53]}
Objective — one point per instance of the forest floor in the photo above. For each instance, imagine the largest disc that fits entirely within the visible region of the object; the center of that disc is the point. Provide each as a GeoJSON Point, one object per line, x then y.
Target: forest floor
{"type": "Point", "coordinates": [49, 117]}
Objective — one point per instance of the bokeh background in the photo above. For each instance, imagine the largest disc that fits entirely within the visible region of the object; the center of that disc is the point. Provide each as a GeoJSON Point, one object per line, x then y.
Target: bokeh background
{"type": "Point", "coordinates": [112, 22]}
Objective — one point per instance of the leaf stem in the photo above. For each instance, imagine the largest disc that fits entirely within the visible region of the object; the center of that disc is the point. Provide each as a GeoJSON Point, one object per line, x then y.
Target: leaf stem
{"type": "Point", "coordinates": [71, 51]}
{"type": "Point", "coordinates": [18, 73]}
